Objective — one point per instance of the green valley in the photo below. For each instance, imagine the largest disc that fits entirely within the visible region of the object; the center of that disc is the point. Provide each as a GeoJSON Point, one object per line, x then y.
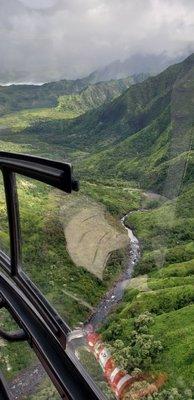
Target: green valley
{"type": "Point", "coordinates": [126, 142]}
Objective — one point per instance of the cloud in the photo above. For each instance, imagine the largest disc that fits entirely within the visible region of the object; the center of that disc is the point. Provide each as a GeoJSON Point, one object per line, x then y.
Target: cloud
{"type": "Point", "coordinates": [73, 37]}
{"type": "Point", "coordinates": [39, 4]}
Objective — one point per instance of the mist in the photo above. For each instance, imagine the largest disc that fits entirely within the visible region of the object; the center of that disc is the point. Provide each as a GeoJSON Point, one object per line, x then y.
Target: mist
{"type": "Point", "coordinates": [43, 40]}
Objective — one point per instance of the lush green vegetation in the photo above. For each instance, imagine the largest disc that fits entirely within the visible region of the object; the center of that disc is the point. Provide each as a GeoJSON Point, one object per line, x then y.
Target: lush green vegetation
{"type": "Point", "coordinates": [14, 98]}
{"type": "Point", "coordinates": [14, 357]}
{"type": "Point", "coordinates": [43, 244]}
{"type": "Point", "coordinates": [117, 197]}
{"type": "Point", "coordinates": [93, 96]}
{"type": "Point", "coordinates": [166, 237]}
{"type": "Point", "coordinates": [46, 261]}
{"type": "Point", "coordinates": [68, 106]}
{"type": "Point", "coordinates": [166, 233]}
{"type": "Point", "coordinates": [45, 391]}
{"type": "Point", "coordinates": [173, 328]}
{"type": "Point", "coordinates": [141, 140]}
{"type": "Point", "coordinates": [129, 138]}
{"type": "Point", "coordinates": [17, 121]}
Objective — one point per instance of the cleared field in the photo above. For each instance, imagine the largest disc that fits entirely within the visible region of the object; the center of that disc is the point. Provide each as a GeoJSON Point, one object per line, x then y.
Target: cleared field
{"type": "Point", "coordinates": [91, 235]}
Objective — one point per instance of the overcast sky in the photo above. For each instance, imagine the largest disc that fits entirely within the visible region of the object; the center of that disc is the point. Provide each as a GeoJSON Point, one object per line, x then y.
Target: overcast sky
{"type": "Point", "coordinates": [77, 36]}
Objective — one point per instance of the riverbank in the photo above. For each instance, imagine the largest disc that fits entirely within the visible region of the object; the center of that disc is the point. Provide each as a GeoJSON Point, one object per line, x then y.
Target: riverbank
{"type": "Point", "coordinates": [115, 294]}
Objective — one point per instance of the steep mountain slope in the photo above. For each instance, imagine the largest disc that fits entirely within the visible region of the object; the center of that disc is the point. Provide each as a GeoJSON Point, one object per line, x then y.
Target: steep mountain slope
{"type": "Point", "coordinates": [69, 107]}
{"type": "Point", "coordinates": [143, 138]}
{"type": "Point", "coordinates": [151, 130]}
{"type": "Point", "coordinates": [93, 96]}
{"type": "Point", "coordinates": [19, 97]}
{"type": "Point", "coordinates": [133, 137]}
{"type": "Point", "coordinates": [119, 119]}
{"type": "Point", "coordinates": [155, 150]}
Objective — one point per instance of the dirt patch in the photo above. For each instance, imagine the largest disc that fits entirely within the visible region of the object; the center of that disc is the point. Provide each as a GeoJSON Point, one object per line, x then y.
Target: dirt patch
{"type": "Point", "coordinates": [90, 234]}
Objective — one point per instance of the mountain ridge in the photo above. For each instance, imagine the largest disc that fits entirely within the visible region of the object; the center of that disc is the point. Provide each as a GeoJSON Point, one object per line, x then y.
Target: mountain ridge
{"type": "Point", "coordinates": [142, 139]}
{"type": "Point", "coordinates": [134, 127]}
{"type": "Point", "coordinates": [136, 64]}
{"type": "Point", "coordinates": [18, 97]}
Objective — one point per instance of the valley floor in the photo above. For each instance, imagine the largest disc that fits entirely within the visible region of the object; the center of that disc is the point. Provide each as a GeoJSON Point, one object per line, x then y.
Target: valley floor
{"type": "Point", "coordinates": [167, 292]}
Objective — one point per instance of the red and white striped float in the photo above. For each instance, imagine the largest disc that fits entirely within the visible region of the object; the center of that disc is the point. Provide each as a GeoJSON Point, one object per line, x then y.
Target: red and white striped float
{"type": "Point", "coordinates": [118, 379]}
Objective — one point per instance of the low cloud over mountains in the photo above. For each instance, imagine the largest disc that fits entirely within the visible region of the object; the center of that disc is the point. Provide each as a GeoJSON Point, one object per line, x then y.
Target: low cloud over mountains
{"type": "Point", "coordinates": [50, 39]}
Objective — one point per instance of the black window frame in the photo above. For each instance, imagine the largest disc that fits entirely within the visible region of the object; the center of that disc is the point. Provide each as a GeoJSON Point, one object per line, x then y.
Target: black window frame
{"type": "Point", "coordinates": [44, 329]}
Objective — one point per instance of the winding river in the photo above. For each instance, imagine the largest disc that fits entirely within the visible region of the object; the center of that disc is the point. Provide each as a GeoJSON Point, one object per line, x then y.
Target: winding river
{"type": "Point", "coordinates": [115, 294]}
{"type": "Point", "coordinates": [19, 386]}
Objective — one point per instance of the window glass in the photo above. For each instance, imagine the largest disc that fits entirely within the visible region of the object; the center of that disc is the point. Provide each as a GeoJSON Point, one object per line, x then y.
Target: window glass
{"type": "Point", "coordinates": [4, 229]}
{"type": "Point", "coordinates": [21, 369]}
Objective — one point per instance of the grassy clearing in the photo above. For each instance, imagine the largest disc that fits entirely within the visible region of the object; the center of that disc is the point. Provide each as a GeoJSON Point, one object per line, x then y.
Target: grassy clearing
{"type": "Point", "coordinates": [170, 282]}
{"type": "Point", "coordinates": [118, 197]}
{"type": "Point", "coordinates": [140, 283]}
{"type": "Point", "coordinates": [176, 331]}
{"type": "Point", "coordinates": [176, 270]}
{"type": "Point", "coordinates": [21, 120]}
